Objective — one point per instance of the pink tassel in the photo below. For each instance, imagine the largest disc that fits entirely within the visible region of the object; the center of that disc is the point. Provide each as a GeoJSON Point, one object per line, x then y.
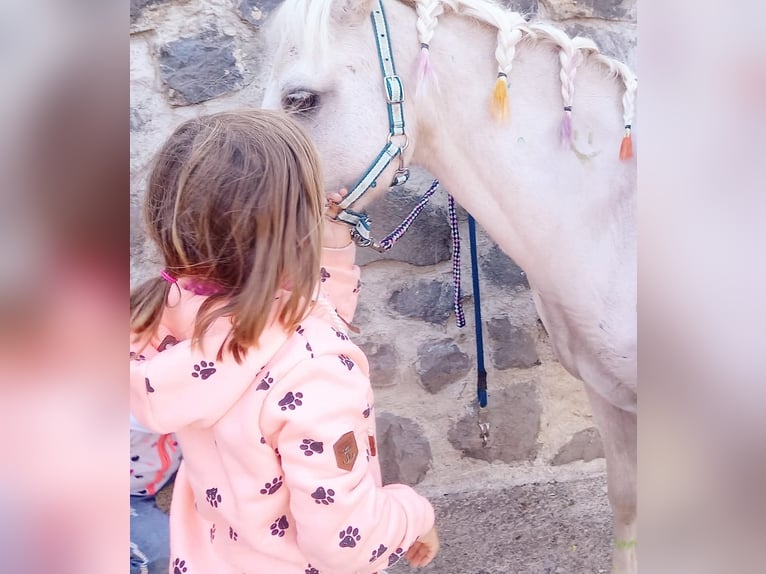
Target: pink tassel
{"type": "Point", "coordinates": [426, 77]}
{"type": "Point", "coordinates": [566, 128]}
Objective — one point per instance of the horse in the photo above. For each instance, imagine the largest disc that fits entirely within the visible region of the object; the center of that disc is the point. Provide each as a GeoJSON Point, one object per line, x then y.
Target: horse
{"type": "Point", "coordinates": [530, 131]}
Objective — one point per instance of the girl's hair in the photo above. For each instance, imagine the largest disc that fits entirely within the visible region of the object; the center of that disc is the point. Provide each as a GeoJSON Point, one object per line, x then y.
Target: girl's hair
{"type": "Point", "coordinates": [235, 198]}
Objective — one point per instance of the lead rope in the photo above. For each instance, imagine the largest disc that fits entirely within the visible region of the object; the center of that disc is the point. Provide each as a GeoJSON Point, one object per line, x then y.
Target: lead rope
{"type": "Point", "coordinates": [481, 383]}
{"type": "Point", "coordinates": [388, 242]}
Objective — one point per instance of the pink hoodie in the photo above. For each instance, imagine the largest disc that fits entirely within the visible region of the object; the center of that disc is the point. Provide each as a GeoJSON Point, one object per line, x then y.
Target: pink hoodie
{"type": "Point", "coordinates": [280, 472]}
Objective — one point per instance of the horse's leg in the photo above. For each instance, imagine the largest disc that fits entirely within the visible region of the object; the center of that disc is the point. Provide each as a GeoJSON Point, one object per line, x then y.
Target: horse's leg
{"type": "Point", "coordinates": [618, 435]}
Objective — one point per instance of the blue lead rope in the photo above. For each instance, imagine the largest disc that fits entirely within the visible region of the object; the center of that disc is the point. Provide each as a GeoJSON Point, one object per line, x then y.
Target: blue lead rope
{"type": "Point", "coordinates": [481, 384]}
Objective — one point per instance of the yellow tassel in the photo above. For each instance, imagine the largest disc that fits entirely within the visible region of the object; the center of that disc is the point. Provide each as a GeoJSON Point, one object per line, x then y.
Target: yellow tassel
{"type": "Point", "coordinates": [499, 103]}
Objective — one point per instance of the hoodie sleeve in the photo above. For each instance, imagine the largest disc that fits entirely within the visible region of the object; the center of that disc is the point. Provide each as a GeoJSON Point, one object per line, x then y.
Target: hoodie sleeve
{"type": "Point", "coordinates": [344, 521]}
{"type": "Point", "coordinates": [340, 279]}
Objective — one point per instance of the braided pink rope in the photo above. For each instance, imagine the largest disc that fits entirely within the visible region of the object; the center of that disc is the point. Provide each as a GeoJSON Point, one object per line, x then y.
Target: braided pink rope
{"type": "Point", "coordinates": [389, 240]}
{"type": "Point", "coordinates": [457, 303]}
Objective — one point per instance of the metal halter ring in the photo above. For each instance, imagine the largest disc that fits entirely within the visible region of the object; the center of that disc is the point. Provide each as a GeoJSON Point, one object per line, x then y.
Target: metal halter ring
{"type": "Point", "coordinates": [406, 140]}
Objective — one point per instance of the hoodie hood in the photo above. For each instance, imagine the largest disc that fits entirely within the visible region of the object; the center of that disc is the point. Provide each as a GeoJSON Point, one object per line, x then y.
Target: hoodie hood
{"type": "Point", "coordinates": [173, 386]}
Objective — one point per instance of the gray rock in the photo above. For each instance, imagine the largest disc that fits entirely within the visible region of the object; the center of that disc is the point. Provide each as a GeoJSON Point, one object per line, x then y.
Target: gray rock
{"type": "Point", "coordinates": [523, 6]}
{"type": "Point", "coordinates": [137, 7]}
{"type": "Point", "coordinates": [384, 362]}
{"type": "Point", "coordinates": [136, 229]}
{"type": "Point", "coordinates": [618, 40]}
{"type": "Point", "coordinates": [441, 363]}
{"type": "Point", "coordinates": [604, 9]}
{"type": "Point", "coordinates": [256, 11]}
{"type": "Point", "coordinates": [514, 417]}
{"type": "Point", "coordinates": [199, 68]}
{"type": "Point", "coordinates": [584, 445]}
{"type": "Point", "coordinates": [427, 241]}
{"type": "Point", "coordinates": [512, 347]}
{"type": "Point", "coordinates": [137, 120]}
{"type": "Point", "coordinates": [404, 451]}
{"type": "Point", "coordinates": [502, 271]}
{"type": "Point", "coordinates": [428, 300]}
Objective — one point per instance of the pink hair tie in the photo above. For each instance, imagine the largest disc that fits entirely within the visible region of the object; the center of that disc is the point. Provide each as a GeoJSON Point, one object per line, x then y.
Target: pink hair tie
{"type": "Point", "coordinates": [167, 276]}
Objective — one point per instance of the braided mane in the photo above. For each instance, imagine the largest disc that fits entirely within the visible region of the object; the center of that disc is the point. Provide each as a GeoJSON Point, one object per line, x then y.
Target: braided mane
{"type": "Point", "coordinates": [310, 19]}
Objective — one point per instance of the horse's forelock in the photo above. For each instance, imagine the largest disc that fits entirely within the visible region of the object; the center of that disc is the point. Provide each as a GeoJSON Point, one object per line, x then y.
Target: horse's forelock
{"type": "Point", "coordinates": [304, 24]}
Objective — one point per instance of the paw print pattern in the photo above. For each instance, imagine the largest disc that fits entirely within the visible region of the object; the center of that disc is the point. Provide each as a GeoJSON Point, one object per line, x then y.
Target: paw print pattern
{"type": "Point", "coordinates": [272, 487]}
{"type": "Point", "coordinates": [203, 370]}
{"type": "Point", "coordinates": [394, 557]}
{"type": "Point", "coordinates": [232, 534]}
{"type": "Point", "coordinates": [349, 537]}
{"type": "Point", "coordinates": [378, 552]}
{"type": "Point", "coordinates": [212, 533]}
{"type": "Point", "coordinates": [322, 496]}
{"type": "Point", "coordinates": [309, 349]}
{"type": "Point", "coordinates": [348, 363]}
{"type": "Point", "coordinates": [136, 357]}
{"type": "Point", "coordinates": [291, 401]}
{"type": "Point", "coordinates": [263, 440]}
{"type": "Point", "coordinates": [340, 334]}
{"type": "Point", "coordinates": [149, 387]}
{"type": "Point", "coordinates": [265, 383]}
{"type": "Point", "coordinates": [366, 412]}
{"type": "Point", "coordinates": [311, 570]}
{"type": "Point", "coordinates": [309, 447]}
{"type": "Point", "coordinates": [279, 526]}
{"type": "Point", "coordinates": [213, 497]}
{"type": "Point", "coordinates": [300, 330]}
{"type": "Point", "coordinates": [179, 566]}
{"type": "Point", "coordinates": [324, 274]}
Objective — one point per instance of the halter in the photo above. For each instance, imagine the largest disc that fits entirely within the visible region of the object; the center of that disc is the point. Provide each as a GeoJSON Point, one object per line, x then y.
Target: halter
{"type": "Point", "coordinates": [360, 222]}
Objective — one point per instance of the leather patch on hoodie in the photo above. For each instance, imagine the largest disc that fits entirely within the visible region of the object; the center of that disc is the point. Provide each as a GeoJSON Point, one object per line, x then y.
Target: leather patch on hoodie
{"type": "Point", "coordinates": [346, 451]}
{"type": "Point", "coordinates": [373, 450]}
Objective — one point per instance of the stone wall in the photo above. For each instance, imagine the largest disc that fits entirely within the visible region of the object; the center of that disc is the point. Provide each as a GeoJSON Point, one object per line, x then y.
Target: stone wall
{"type": "Point", "coordinates": [197, 56]}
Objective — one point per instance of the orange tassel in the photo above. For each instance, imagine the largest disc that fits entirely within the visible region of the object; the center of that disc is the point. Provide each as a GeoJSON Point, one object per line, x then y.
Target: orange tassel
{"type": "Point", "coordinates": [626, 147]}
{"type": "Point", "coordinates": [499, 103]}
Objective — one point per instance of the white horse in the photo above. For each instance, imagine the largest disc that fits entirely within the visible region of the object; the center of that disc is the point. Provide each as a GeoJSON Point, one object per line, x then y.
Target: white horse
{"type": "Point", "coordinates": [542, 159]}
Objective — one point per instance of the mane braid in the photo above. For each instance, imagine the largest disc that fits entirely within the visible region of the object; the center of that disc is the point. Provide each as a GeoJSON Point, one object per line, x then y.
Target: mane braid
{"type": "Point", "coordinates": [308, 21]}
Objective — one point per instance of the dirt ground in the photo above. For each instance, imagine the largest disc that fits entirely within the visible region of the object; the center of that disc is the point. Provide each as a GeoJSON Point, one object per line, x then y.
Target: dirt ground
{"type": "Point", "coordinates": [552, 528]}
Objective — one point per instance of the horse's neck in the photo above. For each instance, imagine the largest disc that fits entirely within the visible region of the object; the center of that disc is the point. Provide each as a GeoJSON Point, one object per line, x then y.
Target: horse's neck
{"type": "Point", "coordinates": [548, 206]}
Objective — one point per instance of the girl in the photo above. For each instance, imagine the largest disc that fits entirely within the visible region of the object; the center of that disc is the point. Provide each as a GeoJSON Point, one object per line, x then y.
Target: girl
{"type": "Point", "coordinates": [237, 350]}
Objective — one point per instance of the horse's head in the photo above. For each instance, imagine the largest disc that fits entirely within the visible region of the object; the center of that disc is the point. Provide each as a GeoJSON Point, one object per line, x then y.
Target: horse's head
{"type": "Point", "coordinates": [327, 74]}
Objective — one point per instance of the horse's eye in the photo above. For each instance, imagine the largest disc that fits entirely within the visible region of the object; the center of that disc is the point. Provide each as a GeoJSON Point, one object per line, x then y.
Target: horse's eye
{"type": "Point", "coordinates": [301, 101]}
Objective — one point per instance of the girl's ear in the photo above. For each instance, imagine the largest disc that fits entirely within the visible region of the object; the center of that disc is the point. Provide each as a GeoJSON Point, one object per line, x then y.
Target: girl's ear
{"type": "Point", "coordinates": [351, 12]}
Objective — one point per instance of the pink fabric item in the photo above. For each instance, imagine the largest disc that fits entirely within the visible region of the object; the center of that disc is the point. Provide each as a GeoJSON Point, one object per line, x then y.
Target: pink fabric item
{"type": "Point", "coordinates": [425, 74]}
{"type": "Point", "coordinates": [566, 128]}
{"type": "Point", "coordinates": [261, 488]}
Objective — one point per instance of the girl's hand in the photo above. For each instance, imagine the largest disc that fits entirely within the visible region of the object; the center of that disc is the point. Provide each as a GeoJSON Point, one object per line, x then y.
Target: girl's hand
{"type": "Point", "coordinates": [424, 549]}
{"type": "Point", "coordinates": [336, 234]}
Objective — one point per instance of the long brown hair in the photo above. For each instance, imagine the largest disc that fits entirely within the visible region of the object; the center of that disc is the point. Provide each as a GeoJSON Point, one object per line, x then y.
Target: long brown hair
{"type": "Point", "coordinates": [235, 198]}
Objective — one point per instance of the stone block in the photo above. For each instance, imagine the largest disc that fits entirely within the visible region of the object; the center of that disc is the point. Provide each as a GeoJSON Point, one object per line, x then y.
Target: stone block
{"type": "Point", "coordinates": [511, 346]}
{"type": "Point", "coordinates": [199, 68]}
{"type": "Point", "coordinates": [384, 362]}
{"type": "Point", "coordinates": [514, 416]}
{"type": "Point", "coordinates": [603, 9]}
{"type": "Point", "coordinates": [427, 241]}
{"type": "Point", "coordinates": [404, 450]}
{"type": "Point", "coordinates": [584, 445]}
{"type": "Point", "coordinates": [500, 270]}
{"type": "Point", "coordinates": [427, 300]}
{"type": "Point", "coordinates": [441, 363]}
{"type": "Point", "coordinates": [256, 11]}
